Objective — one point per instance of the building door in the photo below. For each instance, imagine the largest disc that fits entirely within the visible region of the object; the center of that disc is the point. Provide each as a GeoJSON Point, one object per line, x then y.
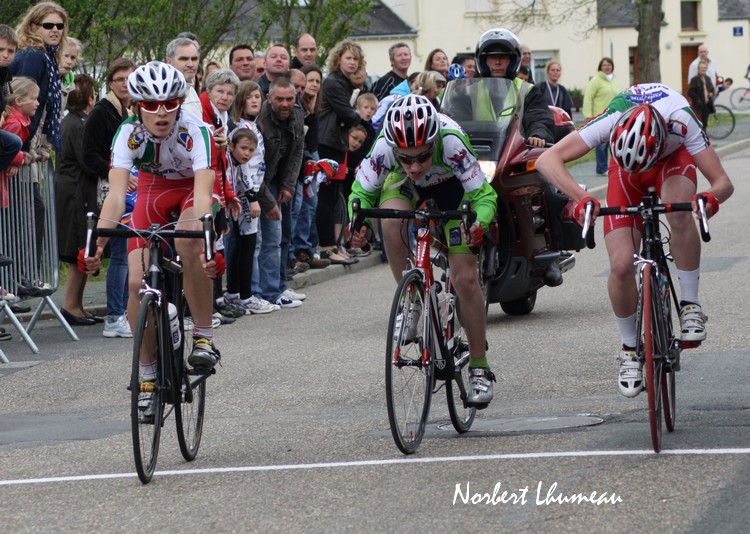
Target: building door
{"type": "Point", "coordinates": [688, 54]}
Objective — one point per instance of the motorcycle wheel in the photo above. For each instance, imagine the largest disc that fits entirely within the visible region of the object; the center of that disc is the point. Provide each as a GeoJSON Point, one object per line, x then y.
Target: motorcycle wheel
{"type": "Point", "coordinates": [520, 306]}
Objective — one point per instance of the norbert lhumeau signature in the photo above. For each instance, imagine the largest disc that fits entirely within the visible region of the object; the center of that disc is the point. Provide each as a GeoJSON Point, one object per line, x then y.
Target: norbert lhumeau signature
{"type": "Point", "coordinates": [545, 495]}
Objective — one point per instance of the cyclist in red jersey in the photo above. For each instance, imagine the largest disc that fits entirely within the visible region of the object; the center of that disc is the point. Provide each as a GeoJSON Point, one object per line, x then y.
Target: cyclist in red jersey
{"type": "Point", "coordinates": [172, 152]}
{"type": "Point", "coordinates": [656, 141]}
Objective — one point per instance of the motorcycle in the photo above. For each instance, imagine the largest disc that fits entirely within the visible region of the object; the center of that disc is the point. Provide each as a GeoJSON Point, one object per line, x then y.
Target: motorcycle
{"type": "Point", "coordinates": [531, 237]}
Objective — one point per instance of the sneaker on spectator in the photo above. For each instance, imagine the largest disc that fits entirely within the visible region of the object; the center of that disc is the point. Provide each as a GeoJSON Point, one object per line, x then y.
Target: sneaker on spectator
{"type": "Point", "coordinates": [221, 319]}
{"type": "Point", "coordinates": [119, 327]}
{"type": "Point", "coordinates": [204, 353]}
{"type": "Point", "coordinates": [285, 302]}
{"type": "Point", "coordinates": [228, 309]}
{"type": "Point", "coordinates": [313, 260]}
{"type": "Point", "coordinates": [276, 307]}
{"type": "Point", "coordinates": [293, 295]}
{"type": "Point", "coordinates": [5, 260]}
{"type": "Point", "coordinates": [255, 305]}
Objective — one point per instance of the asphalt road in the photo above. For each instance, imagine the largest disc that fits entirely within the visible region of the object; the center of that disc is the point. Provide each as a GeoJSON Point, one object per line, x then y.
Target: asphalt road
{"type": "Point", "coordinates": [296, 436]}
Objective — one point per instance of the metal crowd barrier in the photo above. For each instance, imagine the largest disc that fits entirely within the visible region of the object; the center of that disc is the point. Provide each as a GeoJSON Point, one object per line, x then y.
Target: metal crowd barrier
{"type": "Point", "coordinates": [35, 272]}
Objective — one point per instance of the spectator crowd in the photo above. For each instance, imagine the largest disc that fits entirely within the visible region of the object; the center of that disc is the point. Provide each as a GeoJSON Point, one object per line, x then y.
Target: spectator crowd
{"type": "Point", "coordinates": [288, 138]}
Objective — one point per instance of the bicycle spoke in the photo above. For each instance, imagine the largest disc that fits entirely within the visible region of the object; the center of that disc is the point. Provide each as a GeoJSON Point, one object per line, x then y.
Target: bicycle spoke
{"type": "Point", "coordinates": [146, 422]}
{"type": "Point", "coordinates": [408, 377]}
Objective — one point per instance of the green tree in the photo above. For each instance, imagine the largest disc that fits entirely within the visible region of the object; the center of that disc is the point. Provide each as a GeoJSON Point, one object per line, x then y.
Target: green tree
{"type": "Point", "coordinates": [329, 21]}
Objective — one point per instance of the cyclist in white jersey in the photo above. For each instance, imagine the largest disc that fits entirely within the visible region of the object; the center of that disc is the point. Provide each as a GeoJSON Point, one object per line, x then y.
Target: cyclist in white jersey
{"type": "Point", "coordinates": [422, 154]}
{"type": "Point", "coordinates": [656, 141]}
{"type": "Point", "coordinates": [172, 152]}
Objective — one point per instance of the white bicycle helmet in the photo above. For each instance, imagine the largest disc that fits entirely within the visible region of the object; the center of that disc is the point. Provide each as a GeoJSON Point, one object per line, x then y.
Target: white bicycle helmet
{"type": "Point", "coordinates": [411, 121]}
{"type": "Point", "coordinates": [156, 81]}
{"type": "Point", "coordinates": [637, 140]}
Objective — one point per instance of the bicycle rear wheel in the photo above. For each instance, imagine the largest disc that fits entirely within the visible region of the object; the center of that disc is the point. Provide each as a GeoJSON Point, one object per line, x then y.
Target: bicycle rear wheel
{"type": "Point", "coordinates": [190, 409]}
{"type": "Point", "coordinates": [146, 423]}
{"type": "Point", "coordinates": [669, 384]}
{"type": "Point", "coordinates": [740, 98]}
{"type": "Point", "coordinates": [462, 415]}
{"type": "Point", "coordinates": [720, 123]}
{"type": "Point", "coordinates": [409, 367]}
{"type": "Point", "coordinates": [650, 307]}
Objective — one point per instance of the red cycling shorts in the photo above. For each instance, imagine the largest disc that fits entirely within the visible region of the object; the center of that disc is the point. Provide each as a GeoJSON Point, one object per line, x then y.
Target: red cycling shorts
{"type": "Point", "coordinates": [159, 201]}
{"type": "Point", "coordinates": [627, 189]}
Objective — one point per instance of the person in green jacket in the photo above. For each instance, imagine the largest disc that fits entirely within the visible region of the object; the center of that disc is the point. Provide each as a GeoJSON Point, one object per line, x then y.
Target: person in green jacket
{"type": "Point", "coordinates": [599, 93]}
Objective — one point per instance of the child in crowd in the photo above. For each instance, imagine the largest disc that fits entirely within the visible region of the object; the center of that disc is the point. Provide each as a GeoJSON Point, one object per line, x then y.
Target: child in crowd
{"type": "Point", "coordinates": [246, 107]}
{"type": "Point", "coordinates": [243, 144]}
{"type": "Point", "coordinates": [22, 103]}
{"type": "Point", "coordinates": [10, 144]}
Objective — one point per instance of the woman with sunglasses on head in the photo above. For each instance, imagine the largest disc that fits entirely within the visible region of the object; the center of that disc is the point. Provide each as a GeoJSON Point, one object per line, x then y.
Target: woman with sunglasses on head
{"type": "Point", "coordinates": [172, 153]}
{"type": "Point", "coordinates": [422, 154]}
{"type": "Point", "coordinates": [42, 36]}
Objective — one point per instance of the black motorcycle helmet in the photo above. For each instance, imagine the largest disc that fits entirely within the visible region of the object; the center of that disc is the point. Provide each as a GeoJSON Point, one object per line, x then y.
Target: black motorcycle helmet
{"type": "Point", "coordinates": [498, 41]}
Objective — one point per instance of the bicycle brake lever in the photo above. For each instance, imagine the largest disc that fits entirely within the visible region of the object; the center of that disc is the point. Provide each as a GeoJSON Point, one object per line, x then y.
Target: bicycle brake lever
{"type": "Point", "coordinates": [208, 242]}
{"type": "Point", "coordinates": [90, 248]}
{"type": "Point", "coordinates": [705, 235]}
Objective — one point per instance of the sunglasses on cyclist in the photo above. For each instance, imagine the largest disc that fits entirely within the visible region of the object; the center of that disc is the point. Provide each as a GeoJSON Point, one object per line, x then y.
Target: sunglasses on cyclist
{"type": "Point", "coordinates": [50, 25]}
{"type": "Point", "coordinates": [419, 158]}
{"type": "Point", "coordinates": [153, 106]}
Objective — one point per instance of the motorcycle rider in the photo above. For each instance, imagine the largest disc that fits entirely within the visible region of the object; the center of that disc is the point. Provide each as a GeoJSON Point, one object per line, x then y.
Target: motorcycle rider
{"type": "Point", "coordinates": [498, 55]}
{"type": "Point", "coordinates": [422, 154]}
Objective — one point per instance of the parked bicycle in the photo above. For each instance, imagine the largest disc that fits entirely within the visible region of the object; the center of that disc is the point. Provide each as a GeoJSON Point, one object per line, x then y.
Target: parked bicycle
{"type": "Point", "coordinates": [740, 97]}
{"type": "Point", "coordinates": [658, 346]}
{"type": "Point", "coordinates": [426, 341]}
{"type": "Point", "coordinates": [720, 123]}
{"type": "Point", "coordinates": [158, 337]}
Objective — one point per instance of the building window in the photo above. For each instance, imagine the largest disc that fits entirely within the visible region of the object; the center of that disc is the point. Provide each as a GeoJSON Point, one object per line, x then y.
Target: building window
{"type": "Point", "coordinates": [689, 15]}
{"type": "Point", "coordinates": [480, 6]}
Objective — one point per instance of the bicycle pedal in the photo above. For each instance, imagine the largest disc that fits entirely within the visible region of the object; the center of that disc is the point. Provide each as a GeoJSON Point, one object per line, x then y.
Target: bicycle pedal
{"type": "Point", "coordinates": [690, 344]}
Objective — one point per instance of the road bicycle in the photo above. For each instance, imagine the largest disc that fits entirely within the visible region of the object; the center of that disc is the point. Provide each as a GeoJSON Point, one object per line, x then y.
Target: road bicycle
{"type": "Point", "coordinates": [720, 124]}
{"type": "Point", "coordinates": [426, 347]}
{"type": "Point", "coordinates": [658, 345]}
{"type": "Point", "coordinates": [740, 97]}
{"type": "Point", "coordinates": [158, 333]}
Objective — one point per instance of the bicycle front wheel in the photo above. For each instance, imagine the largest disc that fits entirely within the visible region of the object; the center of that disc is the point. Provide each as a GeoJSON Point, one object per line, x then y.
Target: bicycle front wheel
{"type": "Point", "coordinates": [409, 366]}
{"type": "Point", "coordinates": [146, 417]}
{"type": "Point", "coordinates": [650, 308]}
{"type": "Point", "coordinates": [740, 98]}
{"type": "Point", "coordinates": [190, 408]}
{"type": "Point", "coordinates": [462, 415]}
{"type": "Point", "coordinates": [720, 124]}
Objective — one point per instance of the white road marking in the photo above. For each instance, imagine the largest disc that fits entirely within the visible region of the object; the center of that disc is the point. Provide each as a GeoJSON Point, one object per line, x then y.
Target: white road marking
{"type": "Point", "coordinates": [393, 461]}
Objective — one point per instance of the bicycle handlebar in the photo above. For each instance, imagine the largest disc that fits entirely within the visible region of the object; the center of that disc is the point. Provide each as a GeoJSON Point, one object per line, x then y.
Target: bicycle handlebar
{"type": "Point", "coordinates": [588, 233]}
{"type": "Point", "coordinates": [466, 215]}
{"type": "Point", "coordinates": [154, 232]}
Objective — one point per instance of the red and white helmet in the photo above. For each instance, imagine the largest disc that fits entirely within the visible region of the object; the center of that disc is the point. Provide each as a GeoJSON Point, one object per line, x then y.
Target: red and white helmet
{"type": "Point", "coordinates": [637, 140]}
{"type": "Point", "coordinates": [411, 121]}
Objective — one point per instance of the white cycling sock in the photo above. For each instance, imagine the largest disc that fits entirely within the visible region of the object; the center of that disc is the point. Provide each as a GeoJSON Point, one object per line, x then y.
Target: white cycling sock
{"type": "Point", "coordinates": [626, 326]}
{"type": "Point", "coordinates": [689, 281]}
{"type": "Point", "coordinates": [148, 372]}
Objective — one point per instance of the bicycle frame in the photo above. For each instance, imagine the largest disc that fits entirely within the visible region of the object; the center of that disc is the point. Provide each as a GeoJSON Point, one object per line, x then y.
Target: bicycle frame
{"type": "Point", "coordinates": [155, 283]}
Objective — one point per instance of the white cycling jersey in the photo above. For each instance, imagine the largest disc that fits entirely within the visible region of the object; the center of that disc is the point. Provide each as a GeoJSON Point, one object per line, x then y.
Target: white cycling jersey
{"type": "Point", "coordinates": [453, 158]}
{"type": "Point", "coordinates": [683, 127]}
{"type": "Point", "coordinates": [186, 150]}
